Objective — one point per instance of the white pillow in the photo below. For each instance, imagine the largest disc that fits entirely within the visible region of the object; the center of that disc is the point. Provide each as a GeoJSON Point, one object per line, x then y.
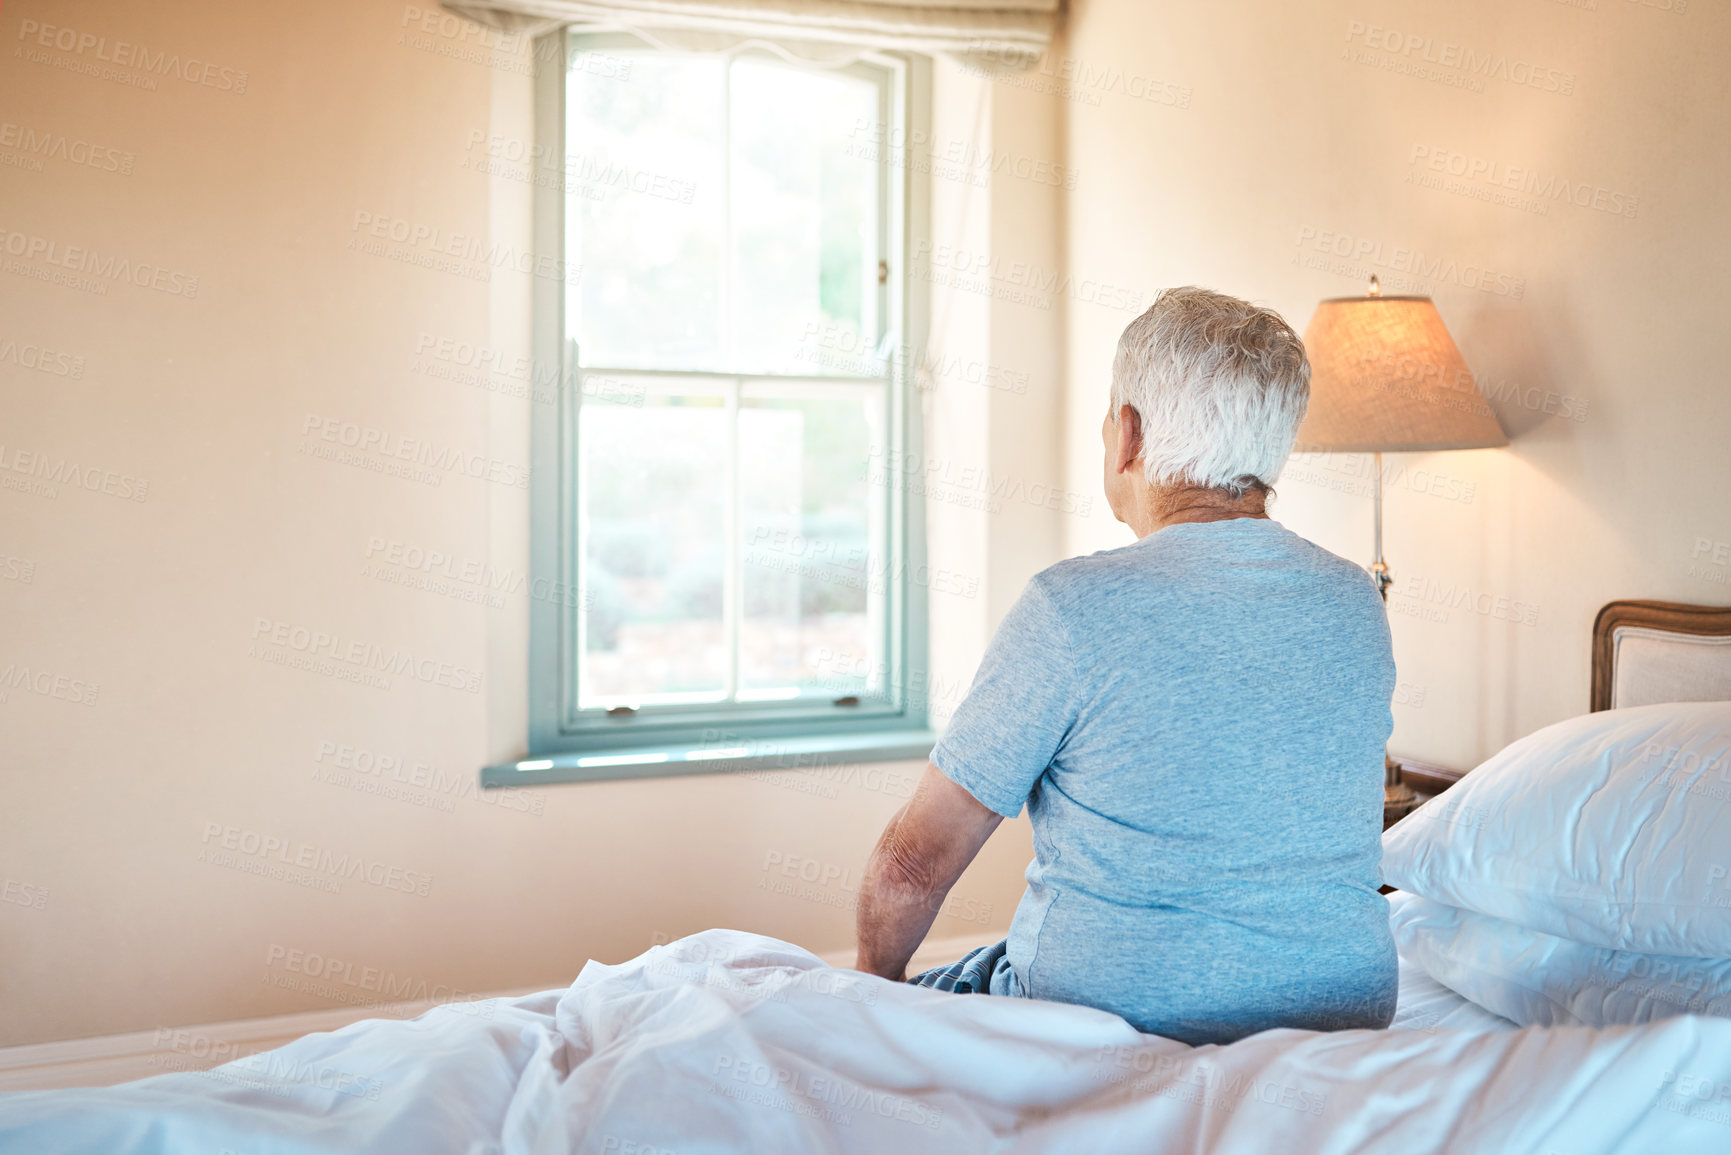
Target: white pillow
{"type": "Point", "coordinates": [1539, 980]}
{"type": "Point", "coordinates": [1610, 829]}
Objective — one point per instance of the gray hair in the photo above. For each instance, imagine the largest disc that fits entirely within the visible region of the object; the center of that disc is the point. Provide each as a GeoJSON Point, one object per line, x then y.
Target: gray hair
{"type": "Point", "coordinates": [1221, 386]}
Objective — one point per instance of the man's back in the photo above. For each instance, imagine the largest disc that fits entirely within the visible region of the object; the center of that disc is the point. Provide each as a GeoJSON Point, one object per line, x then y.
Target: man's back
{"type": "Point", "coordinates": [1197, 723]}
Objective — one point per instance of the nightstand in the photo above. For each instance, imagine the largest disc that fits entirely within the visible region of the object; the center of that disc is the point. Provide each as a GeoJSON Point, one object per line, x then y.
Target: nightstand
{"type": "Point", "coordinates": [1391, 816]}
{"type": "Point", "coordinates": [1427, 780]}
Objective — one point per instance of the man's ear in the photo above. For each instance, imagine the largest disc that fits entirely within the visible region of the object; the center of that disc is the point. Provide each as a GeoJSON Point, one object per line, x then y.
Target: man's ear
{"type": "Point", "coordinates": [1129, 438]}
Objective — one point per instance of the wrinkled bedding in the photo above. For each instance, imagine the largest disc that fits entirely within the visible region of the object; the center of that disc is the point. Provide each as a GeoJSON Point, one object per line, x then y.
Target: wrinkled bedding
{"type": "Point", "coordinates": [727, 1041]}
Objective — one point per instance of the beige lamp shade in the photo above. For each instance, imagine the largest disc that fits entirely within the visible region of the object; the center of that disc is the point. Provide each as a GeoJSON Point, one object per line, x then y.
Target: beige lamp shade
{"type": "Point", "coordinates": [1385, 377]}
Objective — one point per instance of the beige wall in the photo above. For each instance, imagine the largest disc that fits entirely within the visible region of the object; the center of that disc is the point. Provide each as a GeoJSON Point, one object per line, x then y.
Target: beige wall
{"type": "Point", "coordinates": [1173, 143]}
{"type": "Point", "coordinates": [1222, 144]}
{"type": "Point", "coordinates": [992, 472]}
{"type": "Point", "coordinates": [115, 917]}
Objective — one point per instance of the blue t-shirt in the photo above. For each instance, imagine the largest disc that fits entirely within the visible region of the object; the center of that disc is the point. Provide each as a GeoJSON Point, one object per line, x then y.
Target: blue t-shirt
{"type": "Point", "coordinates": [1196, 723]}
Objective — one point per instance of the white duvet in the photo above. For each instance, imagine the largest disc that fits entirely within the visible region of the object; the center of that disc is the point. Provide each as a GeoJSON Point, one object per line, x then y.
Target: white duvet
{"type": "Point", "coordinates": [730, 1042]}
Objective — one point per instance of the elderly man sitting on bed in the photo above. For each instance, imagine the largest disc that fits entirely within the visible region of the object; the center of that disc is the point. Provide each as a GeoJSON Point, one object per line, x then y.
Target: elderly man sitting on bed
{"type": "Point", "coordinates": [1195, 721]}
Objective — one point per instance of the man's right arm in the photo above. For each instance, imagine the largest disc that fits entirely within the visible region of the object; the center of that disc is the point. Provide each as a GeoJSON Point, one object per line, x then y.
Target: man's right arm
{"type": "Point", "coordinates": [923, 850]}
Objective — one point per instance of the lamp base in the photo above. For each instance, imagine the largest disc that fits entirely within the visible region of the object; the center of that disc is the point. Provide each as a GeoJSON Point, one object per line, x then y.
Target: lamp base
{"type": "Point", "coordinates": [1398, 799]}
{"type": "Point", "coordinates": [1379, 574]}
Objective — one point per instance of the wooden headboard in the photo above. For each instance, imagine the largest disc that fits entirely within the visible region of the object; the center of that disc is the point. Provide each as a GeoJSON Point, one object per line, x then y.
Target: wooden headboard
{"type": "Point", "coordinates": [1646, 652]}
{"type": "Point", "coordinates": [1642, 652]}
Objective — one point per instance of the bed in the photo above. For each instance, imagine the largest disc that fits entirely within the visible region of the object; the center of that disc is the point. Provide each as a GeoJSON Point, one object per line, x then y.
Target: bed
{"type": "Point", "coordinates": [728, 1041]}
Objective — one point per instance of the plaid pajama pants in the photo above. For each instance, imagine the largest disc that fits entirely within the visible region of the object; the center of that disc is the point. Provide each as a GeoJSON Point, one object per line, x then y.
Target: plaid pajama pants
{"type": "Point", "coordinates": [982, 971]}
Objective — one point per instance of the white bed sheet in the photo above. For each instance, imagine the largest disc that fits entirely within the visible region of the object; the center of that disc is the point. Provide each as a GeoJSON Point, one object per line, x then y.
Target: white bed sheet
{"type": "Point", "coordinates": [728, 1041]}
{"type": "Point", "coordinates": [1427, 1005]}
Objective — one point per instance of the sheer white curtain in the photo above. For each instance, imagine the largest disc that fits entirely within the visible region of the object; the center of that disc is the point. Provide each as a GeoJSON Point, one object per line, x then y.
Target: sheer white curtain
{"type": "Point", "coordinates": [995, 34]}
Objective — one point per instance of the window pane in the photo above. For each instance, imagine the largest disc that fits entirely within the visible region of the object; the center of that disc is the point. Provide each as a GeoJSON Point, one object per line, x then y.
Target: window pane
{"type": "Point", "coordinates": [644, 210]}
{"type": "Point", "coordinates": [814, 545]}
{"type": "Point", "coordinates": [724, 212]}
{"type": "Point", "coordinates": [652, 525]}
{"type": "Point", "coordinates": [805, 219]}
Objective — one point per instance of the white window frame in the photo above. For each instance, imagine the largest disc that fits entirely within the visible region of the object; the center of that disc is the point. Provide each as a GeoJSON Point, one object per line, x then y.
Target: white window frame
{"type": "Point", "coordinates": [569, 744]}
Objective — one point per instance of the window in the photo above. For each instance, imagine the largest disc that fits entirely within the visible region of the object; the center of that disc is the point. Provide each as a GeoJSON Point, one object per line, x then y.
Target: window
{"type": "Point", "coordinates": [733, 361]}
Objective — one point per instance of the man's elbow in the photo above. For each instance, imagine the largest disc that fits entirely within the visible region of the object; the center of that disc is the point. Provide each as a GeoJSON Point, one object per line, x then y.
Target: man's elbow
{"type": "Point", "coordinates": [907, 869]}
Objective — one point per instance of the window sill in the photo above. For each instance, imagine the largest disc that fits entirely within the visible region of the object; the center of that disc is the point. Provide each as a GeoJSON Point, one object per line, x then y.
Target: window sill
{"type": "Point", "coordinates": [671, 761]}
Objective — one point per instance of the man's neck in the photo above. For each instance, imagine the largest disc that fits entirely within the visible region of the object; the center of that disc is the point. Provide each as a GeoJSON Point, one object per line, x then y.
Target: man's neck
{"type": "Point", "coordinates": [1161, 506]}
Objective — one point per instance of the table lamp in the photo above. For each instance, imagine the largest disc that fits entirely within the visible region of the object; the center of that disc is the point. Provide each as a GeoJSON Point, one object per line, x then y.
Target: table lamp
{"type": "Point", "coordinates": [1386, 377]}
